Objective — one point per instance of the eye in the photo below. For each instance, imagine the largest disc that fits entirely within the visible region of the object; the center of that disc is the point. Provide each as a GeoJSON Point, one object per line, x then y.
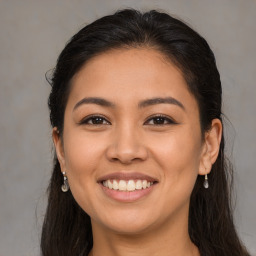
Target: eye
{"type": "Point", "coordinates": [160, 120]}
{"type": "Point", "coordinates": [95, 120]}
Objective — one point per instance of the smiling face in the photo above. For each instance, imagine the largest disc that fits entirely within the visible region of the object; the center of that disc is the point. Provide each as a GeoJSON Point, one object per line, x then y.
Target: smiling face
{"type": "Point", "coordinates": [132, 146]}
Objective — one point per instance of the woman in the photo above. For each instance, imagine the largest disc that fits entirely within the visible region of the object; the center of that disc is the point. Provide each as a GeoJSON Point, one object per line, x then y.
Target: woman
{"type": "Point", "coordinates": [139, 169]}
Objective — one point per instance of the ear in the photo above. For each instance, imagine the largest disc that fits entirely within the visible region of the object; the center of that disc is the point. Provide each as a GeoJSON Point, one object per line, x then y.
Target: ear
{"type": "Point", "coordinates": [211, 147]}
{"type": "Point", "coordinates": [59, 148]}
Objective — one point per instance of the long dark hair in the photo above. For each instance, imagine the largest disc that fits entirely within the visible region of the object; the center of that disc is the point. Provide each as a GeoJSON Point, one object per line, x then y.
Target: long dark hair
{"type": "Point", "coordinates": [67, 228]}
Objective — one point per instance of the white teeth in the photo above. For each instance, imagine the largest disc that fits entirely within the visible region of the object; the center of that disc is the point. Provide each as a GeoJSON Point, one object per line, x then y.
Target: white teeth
{"type": "Point", "coordinates": [144, 184]}
{"type": "Point", "coordinates": [115, 185]}
{"type": "Point", "coordinates": [122, 185]}
{"type": "Point", "coordinates": [109, 184]}
{"type": "Point", "coordinates": [105, 183]}
{"type": "Point", "coordinates": [138, 184]}
{"type": "Point", "coordinates": [129, 185]}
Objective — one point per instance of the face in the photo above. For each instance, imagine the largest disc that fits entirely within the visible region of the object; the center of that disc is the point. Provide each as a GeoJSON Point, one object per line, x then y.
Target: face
{"type": "Point", "coordinates": [131, 144]}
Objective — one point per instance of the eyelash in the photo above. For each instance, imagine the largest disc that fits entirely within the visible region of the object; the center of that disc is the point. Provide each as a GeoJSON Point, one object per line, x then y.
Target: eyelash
{"type": "Point", "coordinates": [167, 120]}
{"type": "Point", "coordinates": [88, 119]}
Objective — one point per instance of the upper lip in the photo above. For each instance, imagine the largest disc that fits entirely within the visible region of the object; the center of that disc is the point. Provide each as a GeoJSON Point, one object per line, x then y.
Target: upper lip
{"type": "Point", "coordinates": [127, 176]}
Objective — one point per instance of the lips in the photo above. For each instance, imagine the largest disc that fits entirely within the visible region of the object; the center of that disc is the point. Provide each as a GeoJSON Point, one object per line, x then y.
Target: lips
{"type": "Point", "coordinates": [130, 185]}
{"type": "Point", "coordinates": [127, 186]}
{"type": "Point", "coordinates": [127, 176]}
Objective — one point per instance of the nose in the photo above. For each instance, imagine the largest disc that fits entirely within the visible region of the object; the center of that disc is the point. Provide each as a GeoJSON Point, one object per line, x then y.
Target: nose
{"type": "Point", "coordinates": [127, 146]}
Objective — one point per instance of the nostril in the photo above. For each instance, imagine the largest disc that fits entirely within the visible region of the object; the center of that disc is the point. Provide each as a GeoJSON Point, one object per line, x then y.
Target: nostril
{"type": "Point", "coordinates": [126, 151]}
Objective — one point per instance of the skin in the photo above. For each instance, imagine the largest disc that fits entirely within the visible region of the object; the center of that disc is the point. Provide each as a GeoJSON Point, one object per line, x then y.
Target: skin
{"type": "Point", "coordinates": [129, 140]}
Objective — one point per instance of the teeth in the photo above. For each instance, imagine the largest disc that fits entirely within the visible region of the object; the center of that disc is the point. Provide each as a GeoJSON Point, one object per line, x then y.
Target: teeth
{"type": "Point", "coordinates": [129, 185]}
{"type": "Point", "coordinates": [138, 184]}
{"type": "Point", "coordinates": [122, 185]}
{"type": "Point", "coordinates": [109, 184]}
{"type": "Point", "coordinates": [115, 185]}
{"type": "Point", "coordinates": [144, 184]}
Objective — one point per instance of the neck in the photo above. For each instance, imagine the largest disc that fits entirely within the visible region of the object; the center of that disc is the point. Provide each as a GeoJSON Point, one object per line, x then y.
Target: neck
{"type": "Point", "coordinates": [171, 238]}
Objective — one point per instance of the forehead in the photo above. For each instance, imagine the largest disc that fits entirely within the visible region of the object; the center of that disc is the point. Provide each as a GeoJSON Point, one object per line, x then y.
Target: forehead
{"type": "Point", "coordinates": [127, 75]}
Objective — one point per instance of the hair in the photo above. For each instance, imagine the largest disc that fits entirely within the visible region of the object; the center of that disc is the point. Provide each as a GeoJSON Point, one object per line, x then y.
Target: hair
{"type": "Point", "coordinates": [67, 228]}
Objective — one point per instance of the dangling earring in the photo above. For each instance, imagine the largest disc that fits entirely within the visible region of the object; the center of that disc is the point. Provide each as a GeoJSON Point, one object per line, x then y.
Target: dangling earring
{"type": "Point", "coordinates": [65, 185]}
{"type": "Point", "coordinates": [206, 183]}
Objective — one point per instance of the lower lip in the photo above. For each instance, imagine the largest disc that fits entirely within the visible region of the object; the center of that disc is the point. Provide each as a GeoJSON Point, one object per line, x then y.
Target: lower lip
{"type": "Point", "coordinates": [127, 196]}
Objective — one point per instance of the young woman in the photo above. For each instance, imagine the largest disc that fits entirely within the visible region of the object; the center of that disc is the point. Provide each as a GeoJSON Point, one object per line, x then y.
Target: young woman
{"type": "Point", "coordinates": [137, 125]}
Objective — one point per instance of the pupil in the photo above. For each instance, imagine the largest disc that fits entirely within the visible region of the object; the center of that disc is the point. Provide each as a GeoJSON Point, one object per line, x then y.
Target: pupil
{"type": "Point", "coordinates": [159, 120]}
{"type": "Point", "coordinates": [97, 120]}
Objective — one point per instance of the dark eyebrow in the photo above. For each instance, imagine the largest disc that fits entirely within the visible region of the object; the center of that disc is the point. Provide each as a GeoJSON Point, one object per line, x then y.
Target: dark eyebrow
{"type": "Point", "coordinates": [144, 103]}
{"type": "Point", "coordinates": [94, 100]}
{"type": "Point", "coordinates": [154, 101]}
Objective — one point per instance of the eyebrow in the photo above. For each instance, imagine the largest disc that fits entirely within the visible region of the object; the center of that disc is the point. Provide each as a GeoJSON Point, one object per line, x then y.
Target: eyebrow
{"type": "Point", "coordinates": [94, 100]}
{"type": "Point", "coordinates": [142, 104]}
{"type": "Point", "coordinates": [167, 100]}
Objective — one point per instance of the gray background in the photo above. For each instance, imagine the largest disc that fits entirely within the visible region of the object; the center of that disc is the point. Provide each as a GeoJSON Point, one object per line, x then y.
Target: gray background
{"type": "Point", "coordinates": [33, 34]}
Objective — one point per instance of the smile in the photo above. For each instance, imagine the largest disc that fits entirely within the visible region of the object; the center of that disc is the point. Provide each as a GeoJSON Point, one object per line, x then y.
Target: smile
{"type": "Point", "coordinates": [130, 185]}
{"type": "Point", "coordinates": [127, 186]}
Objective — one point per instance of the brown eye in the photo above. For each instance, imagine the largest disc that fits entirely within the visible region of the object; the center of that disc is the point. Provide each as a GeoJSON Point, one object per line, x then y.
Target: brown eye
{"type": "Point", "coordinates": [159, 120]}
{"type": "Point", "coordinates": [95, 120]}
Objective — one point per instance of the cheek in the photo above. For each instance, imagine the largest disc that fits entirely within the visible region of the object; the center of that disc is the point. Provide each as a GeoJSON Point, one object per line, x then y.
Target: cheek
{"type": "Point", "coordinates": [177, 148]}
{"type": "Point", "coordinates": [178, 158]}
{"type": "Point", "coordinates": [81, 151]}
{"type": "Point", "coordinates": [178, 154]}
{"type": "Point", "coordinates": [83, 155]}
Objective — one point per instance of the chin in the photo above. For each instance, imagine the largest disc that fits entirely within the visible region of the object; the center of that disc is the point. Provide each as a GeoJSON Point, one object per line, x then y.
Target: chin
{"type": "Point", "coordinates": [127, 228]}
{"type": "Point", "coordinates": [127, 222]}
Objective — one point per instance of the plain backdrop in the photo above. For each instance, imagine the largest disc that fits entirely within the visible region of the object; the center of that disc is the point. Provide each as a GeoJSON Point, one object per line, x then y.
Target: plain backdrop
{"type": "Point", "coordinates": [32, 34]}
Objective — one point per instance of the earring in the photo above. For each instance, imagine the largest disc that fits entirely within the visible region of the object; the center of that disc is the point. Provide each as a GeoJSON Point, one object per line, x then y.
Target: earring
{"type": "Point", "coordinates": [206, 183]}
{"type": "Point", "coordinates": [65, 185]}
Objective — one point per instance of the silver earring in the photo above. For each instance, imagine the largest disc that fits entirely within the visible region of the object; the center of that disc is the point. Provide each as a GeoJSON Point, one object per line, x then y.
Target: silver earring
{"type": "Point", "coordinates": [206, 183]}
{"type": "Point", "coordinates": [65, 185]}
